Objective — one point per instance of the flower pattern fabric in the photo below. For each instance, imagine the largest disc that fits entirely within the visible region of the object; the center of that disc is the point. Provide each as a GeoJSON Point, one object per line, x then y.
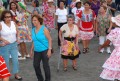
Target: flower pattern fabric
{"type": "Point", "coordinates": [103, 23]}
{"type": "Point", "coordinates": [69, 48]}
{"type": "Point", "coordinates": [112, 65]}
{"type": "Point", "coordinates": [24, 34]}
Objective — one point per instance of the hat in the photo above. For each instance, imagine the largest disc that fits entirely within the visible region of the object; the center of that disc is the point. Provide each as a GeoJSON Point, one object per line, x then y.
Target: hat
{"type": "Point", "coordinates": [116, 20]}
{"type": "Point", "coordinates": [22, 5]}
{"type": "Point", "coordinates": [50, 1]}
{"type": "Point", "coordinates": [78, 1]}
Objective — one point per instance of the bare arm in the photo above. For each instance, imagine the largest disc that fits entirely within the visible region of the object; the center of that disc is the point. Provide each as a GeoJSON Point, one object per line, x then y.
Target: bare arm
{"type": "Point", "coordinates": [97, 21]}
{"type": "Point", "coordinates": [47, 34]}
{"type": "Point", "coordinates": [56, 18]}
{"type": "Point", "coordinates": [1, 39]}
{"type": "Point", "coordinates": [107, 42]}
{"type": "Point", "coordinates": [94, 25]}
{"type": "Point", "coordinates": [113, 9]}
{"type": "Point", "coordinates": [31, 50]}
{"type": "Point", "coordinates": [16, 29]}
{"type": "Point", "coordinates": [0, 30]}
{"type": "Point", "coordinates": [111, 24]}
{"type": "Point", "coordinates": [4, 42]}
{"type": "Point", "coordinates": [32, 47]}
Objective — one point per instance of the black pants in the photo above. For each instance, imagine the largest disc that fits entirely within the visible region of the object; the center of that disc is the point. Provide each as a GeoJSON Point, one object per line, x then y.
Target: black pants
{"type": "Point", "coordinates": [38, 56]}
{"type": "Point", "coordinates": [59, 26]}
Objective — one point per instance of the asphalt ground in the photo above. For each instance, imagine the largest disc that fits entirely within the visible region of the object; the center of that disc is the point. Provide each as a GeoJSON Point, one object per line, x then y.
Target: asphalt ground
{"type": "Point", "coordinates": [88, 69]}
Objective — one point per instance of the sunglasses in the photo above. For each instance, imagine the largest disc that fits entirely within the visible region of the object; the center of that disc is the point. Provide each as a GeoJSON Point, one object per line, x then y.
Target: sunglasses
{"type": "Point", "coordinates": [7, 16]}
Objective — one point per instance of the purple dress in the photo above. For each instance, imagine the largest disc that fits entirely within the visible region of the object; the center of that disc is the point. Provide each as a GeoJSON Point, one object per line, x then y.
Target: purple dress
{"type": "Point", "coordinates": [95, 7]}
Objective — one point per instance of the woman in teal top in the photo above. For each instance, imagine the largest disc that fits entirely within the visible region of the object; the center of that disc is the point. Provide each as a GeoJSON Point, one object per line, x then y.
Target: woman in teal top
{"type": "Point", "coordinates": [42, 45]}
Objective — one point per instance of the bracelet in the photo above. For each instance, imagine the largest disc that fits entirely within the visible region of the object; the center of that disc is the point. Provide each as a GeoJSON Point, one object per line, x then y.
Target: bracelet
{"type": "Point", "coordinates": [49, 48]}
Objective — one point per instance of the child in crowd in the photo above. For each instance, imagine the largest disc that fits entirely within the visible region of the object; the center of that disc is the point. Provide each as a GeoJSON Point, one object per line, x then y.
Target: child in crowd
{"type": "Point", "coordinates": [112, 65]}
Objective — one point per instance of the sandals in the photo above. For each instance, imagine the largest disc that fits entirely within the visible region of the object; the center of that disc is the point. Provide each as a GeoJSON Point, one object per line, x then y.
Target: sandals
{"type": "Point", "coordinates": [74, 67]}
{"type": "Point", "coordinates": [85, 50]}
{"type": "Point", "coordinates": [18, 78]}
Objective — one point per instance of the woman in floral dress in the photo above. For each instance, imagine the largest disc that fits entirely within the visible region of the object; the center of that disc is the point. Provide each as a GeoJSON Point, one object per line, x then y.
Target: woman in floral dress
{"type": "Point", "coordinates": [44, 10]}
{"type": "Point", "coordinates": [112, 65]}
{"type": "Point", "coordinates": [102, 26]}
{"type": "Point", "coordinates": [69, 43]}
{"type": "Point", "coordinates": [87, 25]}
{"type": "Point", "coordinates": [49, 15]}
{"type": "Point", "coordinates": [23, 32]}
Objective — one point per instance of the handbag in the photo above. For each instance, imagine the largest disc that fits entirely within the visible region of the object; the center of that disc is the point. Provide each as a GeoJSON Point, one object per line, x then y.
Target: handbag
{"type": "Point", "coordinates": [52, 51]}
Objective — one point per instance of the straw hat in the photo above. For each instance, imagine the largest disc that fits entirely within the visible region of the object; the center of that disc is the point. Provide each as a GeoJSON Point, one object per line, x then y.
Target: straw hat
{"type": "Point", "coordinates": [50, 1]}
{"type": "Point", "coordinates": [116, 20]}
{"type": "Point", "coordinates": [78, 1]}
{"type": "Point", "coordinates": [22, 5]}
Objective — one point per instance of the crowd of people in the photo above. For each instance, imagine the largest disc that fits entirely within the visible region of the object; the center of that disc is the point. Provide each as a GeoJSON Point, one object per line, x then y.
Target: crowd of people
{"type": "Point", "coordinates": [74, 20]}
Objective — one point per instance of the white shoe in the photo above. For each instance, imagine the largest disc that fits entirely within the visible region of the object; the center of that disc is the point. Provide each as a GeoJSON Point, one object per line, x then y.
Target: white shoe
{"type": "Point", "coordinates": [102, 50]}
{"type": "Point", "coordinates": [108, 50]}
{"type": "Point", "coordinates": [21, 58]}
{"type": "Point", "coordinates": [19, 54]}
{"type": "Point", "coordinates": [28, 56]}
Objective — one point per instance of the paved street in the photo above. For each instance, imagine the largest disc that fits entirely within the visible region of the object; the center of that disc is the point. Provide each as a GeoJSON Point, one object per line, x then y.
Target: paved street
{"type": "Point", "coordinates": [89, 65]}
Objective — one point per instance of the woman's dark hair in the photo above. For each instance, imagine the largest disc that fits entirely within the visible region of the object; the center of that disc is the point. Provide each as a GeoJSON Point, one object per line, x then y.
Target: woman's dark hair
{"type": "Point", "coordinates": [60, 2]}
{"type": "Point", "coordinates": [4, 13]}
{"type": "Point", "coordinates": [77, 4]}
{"type": "Point", "coordinates": [11, 4]}
{"type": "Point", "coordinates": [87, 2]}
{"type": "Point", "coordinates": [39, 18]}
{"type": "Point", "coordinates": [37, 3]}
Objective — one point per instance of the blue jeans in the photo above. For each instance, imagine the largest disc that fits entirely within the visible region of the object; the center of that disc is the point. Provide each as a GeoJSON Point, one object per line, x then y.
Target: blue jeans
{"type": "Point", "coordinates": [6, 51]}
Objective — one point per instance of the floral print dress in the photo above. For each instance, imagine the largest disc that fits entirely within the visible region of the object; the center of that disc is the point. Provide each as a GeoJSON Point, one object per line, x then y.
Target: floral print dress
{"type": "Point", "coordinates": [49, 19]}
{"type": "Point", "coordinates": [24, 34]}
{"type": "Point", "coordinates": [112, 65]}
{"type": "Point", "coordinates": [69, 48]}
{"type": "Point", "coordinates": [103, 24]}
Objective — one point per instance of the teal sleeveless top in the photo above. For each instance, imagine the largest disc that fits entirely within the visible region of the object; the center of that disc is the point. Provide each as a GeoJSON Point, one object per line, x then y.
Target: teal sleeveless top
{"type": "Point", "coordinates": [39, 40]}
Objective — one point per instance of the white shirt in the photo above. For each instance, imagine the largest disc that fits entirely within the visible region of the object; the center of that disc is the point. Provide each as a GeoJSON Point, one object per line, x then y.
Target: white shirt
{"type": "Point", "coordinates": [8, 33]}
{"type": "Point", "coordinates": [66, 31]}
{"type": "Point", "coordinates": [76, 11]}
{"type": "Point", "coordinates": [62, 15]}
{"type": "Point", "coordinates": [13, 13]}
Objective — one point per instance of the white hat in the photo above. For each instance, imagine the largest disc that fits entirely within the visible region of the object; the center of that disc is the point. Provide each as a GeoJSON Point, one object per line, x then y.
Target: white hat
{"type": "Point", "coordinates": [50, 1]}
{"type": "Point", "coordinates": [78, 1]}
{"type": "Point", "coordinates": [116, 20]}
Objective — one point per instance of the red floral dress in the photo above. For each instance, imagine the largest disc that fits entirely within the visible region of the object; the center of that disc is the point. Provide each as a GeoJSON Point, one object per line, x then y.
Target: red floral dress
{"type": "Point", "coordinates": [49, 19]}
